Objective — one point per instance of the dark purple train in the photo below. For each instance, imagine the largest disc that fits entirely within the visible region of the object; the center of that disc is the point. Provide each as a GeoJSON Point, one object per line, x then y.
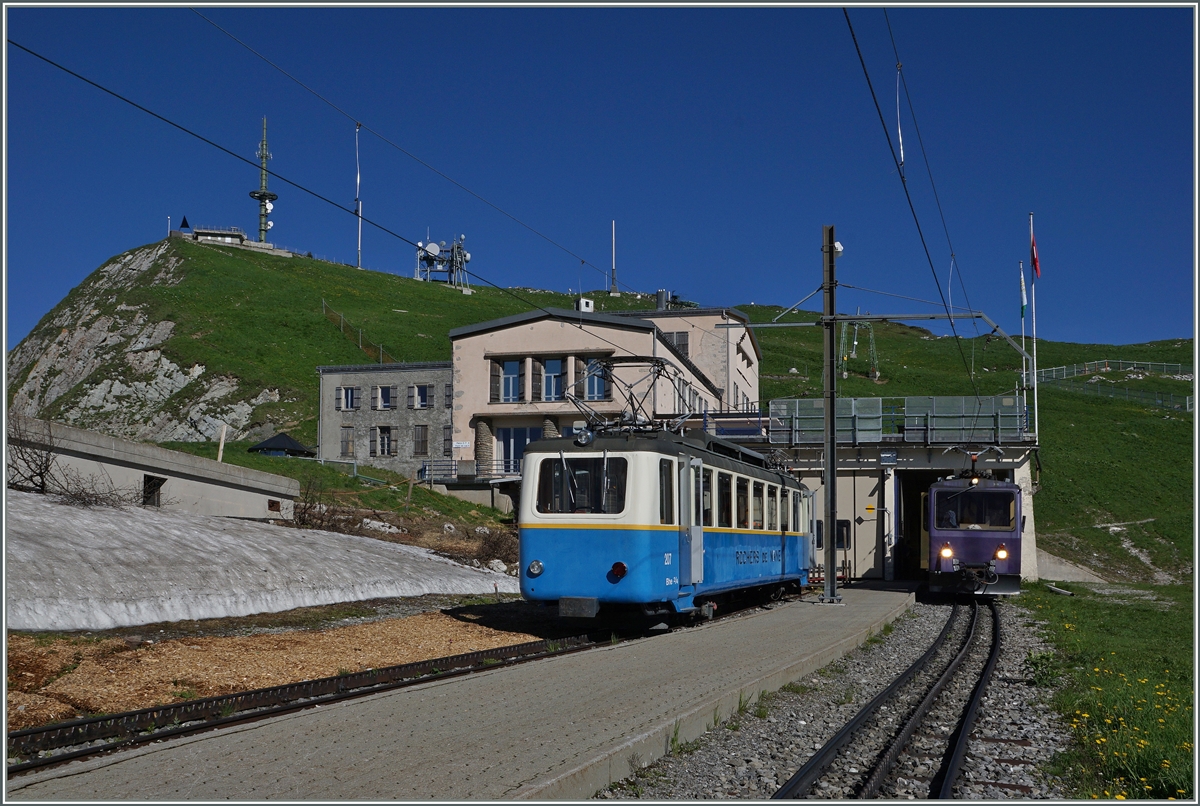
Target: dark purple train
{"type": "Point", "coordinates": [975, 527]}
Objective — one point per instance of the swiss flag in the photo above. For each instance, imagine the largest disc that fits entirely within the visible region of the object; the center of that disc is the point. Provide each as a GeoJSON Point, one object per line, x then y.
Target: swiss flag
{"type": "Point", "coordinates": [1033, 258]}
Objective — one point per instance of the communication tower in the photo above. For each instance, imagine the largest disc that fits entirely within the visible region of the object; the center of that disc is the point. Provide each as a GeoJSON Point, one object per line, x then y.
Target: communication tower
{"type": "Point", "coordinates": [437, 258]}
{"type": "Point", "coordinates": [264, 196]}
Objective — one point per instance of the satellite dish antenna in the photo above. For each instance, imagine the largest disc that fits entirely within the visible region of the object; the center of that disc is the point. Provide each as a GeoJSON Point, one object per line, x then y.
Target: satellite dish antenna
{"type": "Point", "coordinates": [270, 207]}
{"type": "Point", "coordinates": [270, 224]}
{"type": "Point", "coordinates": [432, 248]}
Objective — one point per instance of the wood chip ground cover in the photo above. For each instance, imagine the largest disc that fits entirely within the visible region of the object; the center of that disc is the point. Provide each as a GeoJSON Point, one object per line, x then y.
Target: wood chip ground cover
{"type": "Point", "coordinates": [58, 678]}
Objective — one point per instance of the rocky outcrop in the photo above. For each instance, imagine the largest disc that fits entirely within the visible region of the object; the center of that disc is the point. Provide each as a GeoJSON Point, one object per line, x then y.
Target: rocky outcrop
{"type": "Point", "coordinates": [96, 362]}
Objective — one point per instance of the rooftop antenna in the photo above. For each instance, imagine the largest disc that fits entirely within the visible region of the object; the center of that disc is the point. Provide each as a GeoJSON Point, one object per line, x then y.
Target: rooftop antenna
{"type": "Point", "coordinates": [357, 186]}
{"type": "Point", "coordinates": [264, 196]}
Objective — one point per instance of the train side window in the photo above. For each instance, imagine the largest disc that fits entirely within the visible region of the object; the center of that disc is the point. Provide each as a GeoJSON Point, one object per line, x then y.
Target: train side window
{"type": "Point", "coordinates": [742, 503]}
{"type": "Point", "coordinates": [706, 496]}
{"type": "Point", "coordinates": [666, 491]}
{"type": "Point", "coordinates": [758, 505]}
{"type": "Point", "coordinates": [784, 503]}
{"type": "Point", "coordinates": [724, 494]}
{"type": "Point", "coordinates": [772, 508]}
{"type": "Point", "coordinates": [796, 523]}
{"type": "Point", "coordinates": [694, 474]}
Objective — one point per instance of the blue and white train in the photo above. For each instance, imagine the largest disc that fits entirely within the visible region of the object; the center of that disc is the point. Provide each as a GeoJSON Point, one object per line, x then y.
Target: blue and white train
{"type": "Point", "coordinates": [656, 523]}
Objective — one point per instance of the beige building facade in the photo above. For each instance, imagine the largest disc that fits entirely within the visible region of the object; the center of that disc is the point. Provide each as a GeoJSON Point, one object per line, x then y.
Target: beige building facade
{"type": "Point", "coordinates": [512, 377]}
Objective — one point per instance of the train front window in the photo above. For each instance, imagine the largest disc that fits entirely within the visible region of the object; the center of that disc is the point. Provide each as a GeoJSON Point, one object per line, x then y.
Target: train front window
{"type": "Point", "coordinates": [593, 485]}
{"type": "Point", "coordinates": [724, 493]}
{"type": "Point", "coordinates": [989, 510]}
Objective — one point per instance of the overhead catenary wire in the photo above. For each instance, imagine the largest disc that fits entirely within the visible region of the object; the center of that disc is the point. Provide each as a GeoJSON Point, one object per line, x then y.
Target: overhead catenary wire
{"type": "Point", "coordinates": [409, 154]}
{"type": "Point", "coordinates": [924, 158]}
{"type": "Point", "coordinates": [912, 208]}
{"type": "Point", "coordinates": [288, 181]}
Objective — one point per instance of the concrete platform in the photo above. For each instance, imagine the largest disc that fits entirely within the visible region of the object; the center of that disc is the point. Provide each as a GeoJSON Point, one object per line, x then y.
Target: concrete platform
{"type": "Point", "coordinates": [562, 728]}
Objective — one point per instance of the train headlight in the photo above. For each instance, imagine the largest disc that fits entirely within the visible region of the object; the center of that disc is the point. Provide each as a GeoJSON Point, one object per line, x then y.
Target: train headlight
{"type": "Point", "coordinates": [946, 551]}
{"type": "Point", "coordinates": [1002, 553]}
{"type": "Point", "coordinates": [535, 568]}
{"type": "Point", "coordinates": [619, 570]}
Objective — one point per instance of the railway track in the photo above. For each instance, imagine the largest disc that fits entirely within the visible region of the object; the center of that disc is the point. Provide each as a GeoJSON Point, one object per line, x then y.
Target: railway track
{"type": "Point", "coordinates": [932, 704]}
{"type": "Point", "coordinates": [34, 748]}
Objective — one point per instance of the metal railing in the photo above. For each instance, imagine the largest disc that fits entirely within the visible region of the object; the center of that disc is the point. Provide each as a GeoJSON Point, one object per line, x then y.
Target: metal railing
{"type": "Point", "coordinates": [1165, 400]}
{"type": "Point", "coordinates": [1108, 365]}
{"type": "Point", "coordinates": [438, 469]}
{"type": "Point", "coordinates": [920, 420]}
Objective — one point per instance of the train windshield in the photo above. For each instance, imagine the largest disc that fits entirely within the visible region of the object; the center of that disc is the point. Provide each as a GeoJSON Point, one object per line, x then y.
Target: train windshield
{"type": "Point", "coordinates": [971, 508]}
{"type": "Point", "coordinates": [591, 485]}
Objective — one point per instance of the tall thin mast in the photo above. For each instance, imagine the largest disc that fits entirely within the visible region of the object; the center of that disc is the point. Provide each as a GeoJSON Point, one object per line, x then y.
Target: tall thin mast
{"type": "Point", "coordinates": [357, 187]}
{"type": "Point", "coordinates": [264, 196]}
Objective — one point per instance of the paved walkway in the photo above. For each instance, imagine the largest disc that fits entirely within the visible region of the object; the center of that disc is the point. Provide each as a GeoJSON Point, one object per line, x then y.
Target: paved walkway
{"type": "Point", "coordinates": [562, 728]}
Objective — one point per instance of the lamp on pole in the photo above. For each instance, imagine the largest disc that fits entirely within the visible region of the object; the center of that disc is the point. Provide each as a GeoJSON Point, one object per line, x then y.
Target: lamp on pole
{"type": "Point", "coordinates": [831, 249]}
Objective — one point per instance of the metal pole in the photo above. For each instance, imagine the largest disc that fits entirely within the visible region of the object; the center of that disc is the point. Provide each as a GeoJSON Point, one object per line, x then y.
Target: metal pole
{"type": "Point", "coordinates": [357, 186]}
{"type": "Point", "coordinates": [830, 285]}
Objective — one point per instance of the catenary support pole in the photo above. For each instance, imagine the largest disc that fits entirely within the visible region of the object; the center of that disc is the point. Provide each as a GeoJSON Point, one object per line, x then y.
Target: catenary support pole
{"type": "Point", "coordinates": [830, 285]}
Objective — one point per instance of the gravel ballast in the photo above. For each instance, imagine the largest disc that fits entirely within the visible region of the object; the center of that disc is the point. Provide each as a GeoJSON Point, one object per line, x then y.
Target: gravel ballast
{"type": "Point", "coordinates": [752, 754]}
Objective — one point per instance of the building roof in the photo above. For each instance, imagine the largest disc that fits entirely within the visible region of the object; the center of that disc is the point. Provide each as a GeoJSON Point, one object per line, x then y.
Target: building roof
{"type": "Point", "coordinates": [411, 365]}
{"type": "Point", "coordinates": [606, 319]}
{"type": "Point", "coordinates": [282, 442]}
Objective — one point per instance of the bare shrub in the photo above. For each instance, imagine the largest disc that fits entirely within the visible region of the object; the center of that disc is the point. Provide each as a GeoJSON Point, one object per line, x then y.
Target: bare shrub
{"type": "Point", "coordinates": [500, 544]}
{"type": "Point", "coordinates": [316, 507]}
{"type": "Point", "coordinates": [32, 465]}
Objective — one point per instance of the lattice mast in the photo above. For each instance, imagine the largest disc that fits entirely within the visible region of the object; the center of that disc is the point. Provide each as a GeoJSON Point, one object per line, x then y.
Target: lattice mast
{"type": "Point", "coordinates": [264, 196]}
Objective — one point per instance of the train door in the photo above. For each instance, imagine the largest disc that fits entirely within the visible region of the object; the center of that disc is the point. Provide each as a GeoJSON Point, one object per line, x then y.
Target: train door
{"type": "Point", "coordinates": [694, 498]}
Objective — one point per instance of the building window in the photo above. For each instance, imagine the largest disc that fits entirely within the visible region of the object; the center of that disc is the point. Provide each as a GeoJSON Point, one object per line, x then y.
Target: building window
{"type": "Point", "coordinates": [420, 440]}
{"type": "Point", "coordinates": [152, 490]}
{"type": "Point", "coordinates": [420, 396]}
{"type": "Point", "coordinates": [554, 379]}
{"type": "Point", "coordinates": [447, 440]}
{"type": "Point", "coordinates": [679, 340]}
{"type": "Point", "coordinates": [511, 381]}
{"type": "Point", "coordinates": [347, 440]}
{"type": "Point", "coordinates": [510, 445]}
{"type": "Point", "coordinates": [597, 386]}
{"type": "Point", "coordinates": [384, 397]}
{"type": "Point", "coordinates": [381, 441]}
{"type": "Point", "coordinates": [347, 398]}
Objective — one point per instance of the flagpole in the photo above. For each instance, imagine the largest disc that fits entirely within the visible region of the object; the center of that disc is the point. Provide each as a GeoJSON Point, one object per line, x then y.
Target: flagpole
{"type": "Point", "coordinates": [1024, 361]}
{"type": "Point", "coordinates": [1033, 259]}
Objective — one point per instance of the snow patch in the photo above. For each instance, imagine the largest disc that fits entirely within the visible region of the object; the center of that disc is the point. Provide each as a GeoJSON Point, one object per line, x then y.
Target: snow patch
{"type": "Point", "coordinates": [93, 569]}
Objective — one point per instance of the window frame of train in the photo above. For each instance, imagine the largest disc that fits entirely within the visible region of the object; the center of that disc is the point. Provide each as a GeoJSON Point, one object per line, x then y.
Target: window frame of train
{"type": "Point", "coordinates": [553, 492]}
{"type": "Point", "coordinates": [741, 504]}
{"type": "Point", "coordinates": [785, 501]}
{"type": "Point", "coordinates": [666, 492]}
{"type": "Point", "coordinates": [706, 494]}
{"type": "Point", "coordinates": [724, 500]}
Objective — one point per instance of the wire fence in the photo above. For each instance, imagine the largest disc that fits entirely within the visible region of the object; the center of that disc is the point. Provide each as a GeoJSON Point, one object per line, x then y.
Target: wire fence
{"type": "Point", "coordinates": [1107, 365]}
{"type": "Point", "coordinates": [1164, 400]}
{"type": "Point", "coordinates": [374, 351]}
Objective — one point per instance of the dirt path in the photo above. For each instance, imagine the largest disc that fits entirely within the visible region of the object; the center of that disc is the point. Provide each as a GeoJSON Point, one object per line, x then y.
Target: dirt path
{"type": "Point", "coordinates": [55, 678]}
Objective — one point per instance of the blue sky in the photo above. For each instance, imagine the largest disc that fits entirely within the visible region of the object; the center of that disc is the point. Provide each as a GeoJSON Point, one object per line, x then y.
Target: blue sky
{"type": "Point", "coordinates": [720, 140]}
